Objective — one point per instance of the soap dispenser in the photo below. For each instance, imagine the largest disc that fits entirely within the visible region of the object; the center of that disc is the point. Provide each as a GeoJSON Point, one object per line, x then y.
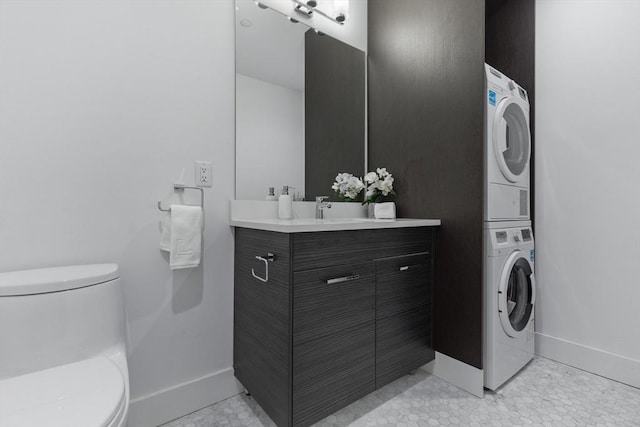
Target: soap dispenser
{"type": "Point", "coordinates": [271, 195]}
{"type": "Point", "coordinates": [285, 204]}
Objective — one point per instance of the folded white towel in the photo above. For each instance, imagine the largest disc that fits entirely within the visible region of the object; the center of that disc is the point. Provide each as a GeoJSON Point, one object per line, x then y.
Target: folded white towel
{"type": "Point", "coordinates": [185, 243]}
{"type": "Point", "coordinates": [385, 210]}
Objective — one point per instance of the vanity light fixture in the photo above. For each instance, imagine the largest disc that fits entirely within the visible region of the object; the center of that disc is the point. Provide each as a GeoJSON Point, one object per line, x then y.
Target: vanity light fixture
{"type": "Point", "coordinates": [334, 10]}
{"type": "Point", "coordinates": [304, 9]}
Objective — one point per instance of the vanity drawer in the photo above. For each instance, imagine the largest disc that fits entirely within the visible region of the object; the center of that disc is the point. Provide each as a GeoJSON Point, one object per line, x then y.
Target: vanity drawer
{"type": "Point", "coordinates": [316, 250]}
{"type": "Point", "coordinates": [327, 300]}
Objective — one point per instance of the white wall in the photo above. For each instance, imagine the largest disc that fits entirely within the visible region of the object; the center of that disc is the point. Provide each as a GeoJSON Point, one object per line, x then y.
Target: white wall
{"type": "Point", "coordinates": [587, 180]}
{"type": "Point", "coordinates": [102, 104]}
{"type": "Point", "coordinates": [269, 125]}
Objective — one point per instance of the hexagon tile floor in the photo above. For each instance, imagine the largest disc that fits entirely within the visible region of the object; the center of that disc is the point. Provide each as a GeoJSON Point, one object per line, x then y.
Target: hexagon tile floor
{"type": "Point", "coordinates": [544, 393]}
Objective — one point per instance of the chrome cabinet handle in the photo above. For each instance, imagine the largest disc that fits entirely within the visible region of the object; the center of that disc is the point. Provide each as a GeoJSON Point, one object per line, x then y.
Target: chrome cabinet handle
{"type": "Point", "coordinates": [343, 279]}
{"type": "Point", "coordinates": [409, 267]}
{"type": "Point", "coordinates": [269, 257]}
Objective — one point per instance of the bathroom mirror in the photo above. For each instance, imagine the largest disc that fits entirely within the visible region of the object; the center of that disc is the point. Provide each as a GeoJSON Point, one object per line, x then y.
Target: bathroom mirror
{"type": "Point", "coordinates": [300, 106]}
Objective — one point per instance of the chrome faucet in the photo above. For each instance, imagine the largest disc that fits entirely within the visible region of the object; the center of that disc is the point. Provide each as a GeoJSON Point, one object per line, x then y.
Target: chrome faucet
{"type": "Point", "coordinates": [320, 205]}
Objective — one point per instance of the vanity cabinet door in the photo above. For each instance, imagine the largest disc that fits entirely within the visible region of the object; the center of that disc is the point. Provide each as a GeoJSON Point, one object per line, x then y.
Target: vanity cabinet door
{"type": "Point", "coordinates": [403, 316]}
{"type": "Point", "coordinates": [333, 339]}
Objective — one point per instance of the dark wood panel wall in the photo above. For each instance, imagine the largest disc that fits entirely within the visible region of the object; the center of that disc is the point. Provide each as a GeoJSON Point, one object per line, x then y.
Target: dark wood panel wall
{"type": "Point", "coordinates": [334, 112]}
{"type": "Point", "coordinates": [510, 48]}
{"type": "Point", "coordinates": [425, 88]}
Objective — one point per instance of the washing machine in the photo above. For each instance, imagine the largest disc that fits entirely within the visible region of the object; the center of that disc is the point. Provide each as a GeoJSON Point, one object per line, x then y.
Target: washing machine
{"type": "Point", "coordinates": [510, 295]}
{"type": "Point", "coordinates": [507, 141]}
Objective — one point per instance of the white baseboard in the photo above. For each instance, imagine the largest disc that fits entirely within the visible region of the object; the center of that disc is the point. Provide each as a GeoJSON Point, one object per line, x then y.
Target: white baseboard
{"type": "Point", "coordinates": [467, 377]}
{"type": "Point", "coordinates": [165, 405]}
{"type": "Point", "coordinates": [599, 362]}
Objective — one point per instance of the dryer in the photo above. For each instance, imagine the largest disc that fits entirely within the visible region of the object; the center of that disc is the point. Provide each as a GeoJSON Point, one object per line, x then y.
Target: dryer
{"type": "Point", "coordinates": [507, 140]}
{"type": "Point", "coordinates": [509, 297]}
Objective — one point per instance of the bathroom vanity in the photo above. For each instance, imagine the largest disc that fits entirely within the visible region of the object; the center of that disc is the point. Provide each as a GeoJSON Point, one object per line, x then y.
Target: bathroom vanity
{"type": "Point", "coordinates": [326, 312]}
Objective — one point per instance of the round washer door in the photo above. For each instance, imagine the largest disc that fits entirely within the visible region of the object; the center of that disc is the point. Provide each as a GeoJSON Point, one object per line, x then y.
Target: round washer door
{"type": "Point", "coordinates": [511, 138]}
{"type": "Point", "coordinates": [516, 294]}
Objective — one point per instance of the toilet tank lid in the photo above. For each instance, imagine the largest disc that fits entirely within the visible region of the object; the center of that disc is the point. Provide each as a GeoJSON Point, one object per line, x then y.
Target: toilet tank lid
{"type": "Point", "coordinates": [43, 280]}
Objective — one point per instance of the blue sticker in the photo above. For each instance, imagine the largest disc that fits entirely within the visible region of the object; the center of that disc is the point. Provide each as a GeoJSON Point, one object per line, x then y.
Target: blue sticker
{"type": "Point", "coordinates": [532, 255]}
{"type": "Point", "coordinates": [492, 97]}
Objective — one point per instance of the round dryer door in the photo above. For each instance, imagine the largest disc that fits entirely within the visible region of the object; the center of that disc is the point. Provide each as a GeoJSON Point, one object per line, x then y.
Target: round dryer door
{"type": "Point", "coordinates": [516, 295]}
{"type": "Point", "coordinates": [511, 138]}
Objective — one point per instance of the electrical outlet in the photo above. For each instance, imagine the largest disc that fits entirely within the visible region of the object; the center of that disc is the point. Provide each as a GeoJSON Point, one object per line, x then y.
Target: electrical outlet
{"type": "Point", "coordinates": [203, 174]}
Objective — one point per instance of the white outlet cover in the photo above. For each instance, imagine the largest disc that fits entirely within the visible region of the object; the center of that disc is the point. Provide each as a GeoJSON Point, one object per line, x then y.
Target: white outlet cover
{"type": "Point", "coordinates": [203, 173]}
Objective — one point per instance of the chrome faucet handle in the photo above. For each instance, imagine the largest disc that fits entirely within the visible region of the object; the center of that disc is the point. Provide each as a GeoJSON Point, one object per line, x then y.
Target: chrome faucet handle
{"type": "Point", "coordinates": [320, 205]}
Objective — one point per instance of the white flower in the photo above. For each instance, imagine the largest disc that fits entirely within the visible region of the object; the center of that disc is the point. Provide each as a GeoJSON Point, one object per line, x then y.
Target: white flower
{"type": "Point", "coordinates": [386, 185]}
{"type": "Point", "coordinates": [380, 183]}
{"type": "Point", "coordinates": [347, 186]}
{"type": "Point", "coordinates": [371, 177]}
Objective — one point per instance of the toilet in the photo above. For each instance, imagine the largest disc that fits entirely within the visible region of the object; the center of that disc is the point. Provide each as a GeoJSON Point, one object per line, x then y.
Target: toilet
{"type": "Point", "coordinates": [63, 348]}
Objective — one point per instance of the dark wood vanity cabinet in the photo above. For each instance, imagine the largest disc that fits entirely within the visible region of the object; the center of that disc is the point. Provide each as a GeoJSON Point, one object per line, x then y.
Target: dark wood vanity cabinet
{"type": "Point", "coordinates": [342, 313]}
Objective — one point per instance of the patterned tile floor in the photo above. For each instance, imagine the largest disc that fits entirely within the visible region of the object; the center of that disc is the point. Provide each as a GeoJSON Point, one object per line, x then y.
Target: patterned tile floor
{"type": "Point", "coordinates": [544, 393]}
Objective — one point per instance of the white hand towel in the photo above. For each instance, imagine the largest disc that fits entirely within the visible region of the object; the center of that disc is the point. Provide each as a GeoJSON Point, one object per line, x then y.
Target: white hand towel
{"type": "Point", "coordinates": [186, 236]}
{"type": "Point", "coordinates": [165, 236]}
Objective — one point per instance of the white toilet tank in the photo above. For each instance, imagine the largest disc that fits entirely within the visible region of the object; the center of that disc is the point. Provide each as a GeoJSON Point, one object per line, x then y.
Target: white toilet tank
{"type": "Point", "coordinates": [55, 316]}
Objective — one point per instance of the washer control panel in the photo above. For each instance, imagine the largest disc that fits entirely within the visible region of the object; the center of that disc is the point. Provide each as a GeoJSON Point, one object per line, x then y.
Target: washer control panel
{"type": "Point", "coordinates": [511, 237]}
{"type": "Point", "coordinates": [515, 235]}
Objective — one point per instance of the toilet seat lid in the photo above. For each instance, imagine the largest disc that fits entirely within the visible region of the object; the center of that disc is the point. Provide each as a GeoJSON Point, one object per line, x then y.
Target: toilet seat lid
{"type": "Point", "coordinates": [89, 393]}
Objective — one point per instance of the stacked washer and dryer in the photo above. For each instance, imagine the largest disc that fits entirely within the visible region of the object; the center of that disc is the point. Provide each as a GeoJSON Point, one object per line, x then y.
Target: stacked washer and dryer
{"type": "Point", "coordinates": [509, 282]}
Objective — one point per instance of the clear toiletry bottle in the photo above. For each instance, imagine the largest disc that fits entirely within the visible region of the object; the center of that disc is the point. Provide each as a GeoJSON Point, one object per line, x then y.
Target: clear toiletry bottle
{"type": "Point", "coordinates": [271, 195]}
{"type": "Point", "coordinates": [285, 204]}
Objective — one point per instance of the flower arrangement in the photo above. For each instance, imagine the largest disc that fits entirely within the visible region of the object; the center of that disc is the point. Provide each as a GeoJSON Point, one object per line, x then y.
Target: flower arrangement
{"type": "Point", "coordinates": [379, 184]}
{"type": "Point", "coordinates": [347, 186]}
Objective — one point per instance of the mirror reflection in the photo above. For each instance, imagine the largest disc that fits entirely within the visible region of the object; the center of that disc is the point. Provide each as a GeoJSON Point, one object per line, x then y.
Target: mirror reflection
{"type": "Point", "coordinates": [300, 109]}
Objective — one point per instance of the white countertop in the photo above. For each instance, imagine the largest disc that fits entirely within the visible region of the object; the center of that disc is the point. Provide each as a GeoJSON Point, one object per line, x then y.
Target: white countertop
{"type": "Point", "coordinates": [332, 224]}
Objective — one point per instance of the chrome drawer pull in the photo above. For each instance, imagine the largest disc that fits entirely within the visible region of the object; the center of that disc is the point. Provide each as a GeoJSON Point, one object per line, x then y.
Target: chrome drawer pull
{"type": "Point", "coordinates": [407, 267]}
{"type": "Point", "coordinates": [269, 257]}
{"type": "Point", "coordinates": [343, 279]}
